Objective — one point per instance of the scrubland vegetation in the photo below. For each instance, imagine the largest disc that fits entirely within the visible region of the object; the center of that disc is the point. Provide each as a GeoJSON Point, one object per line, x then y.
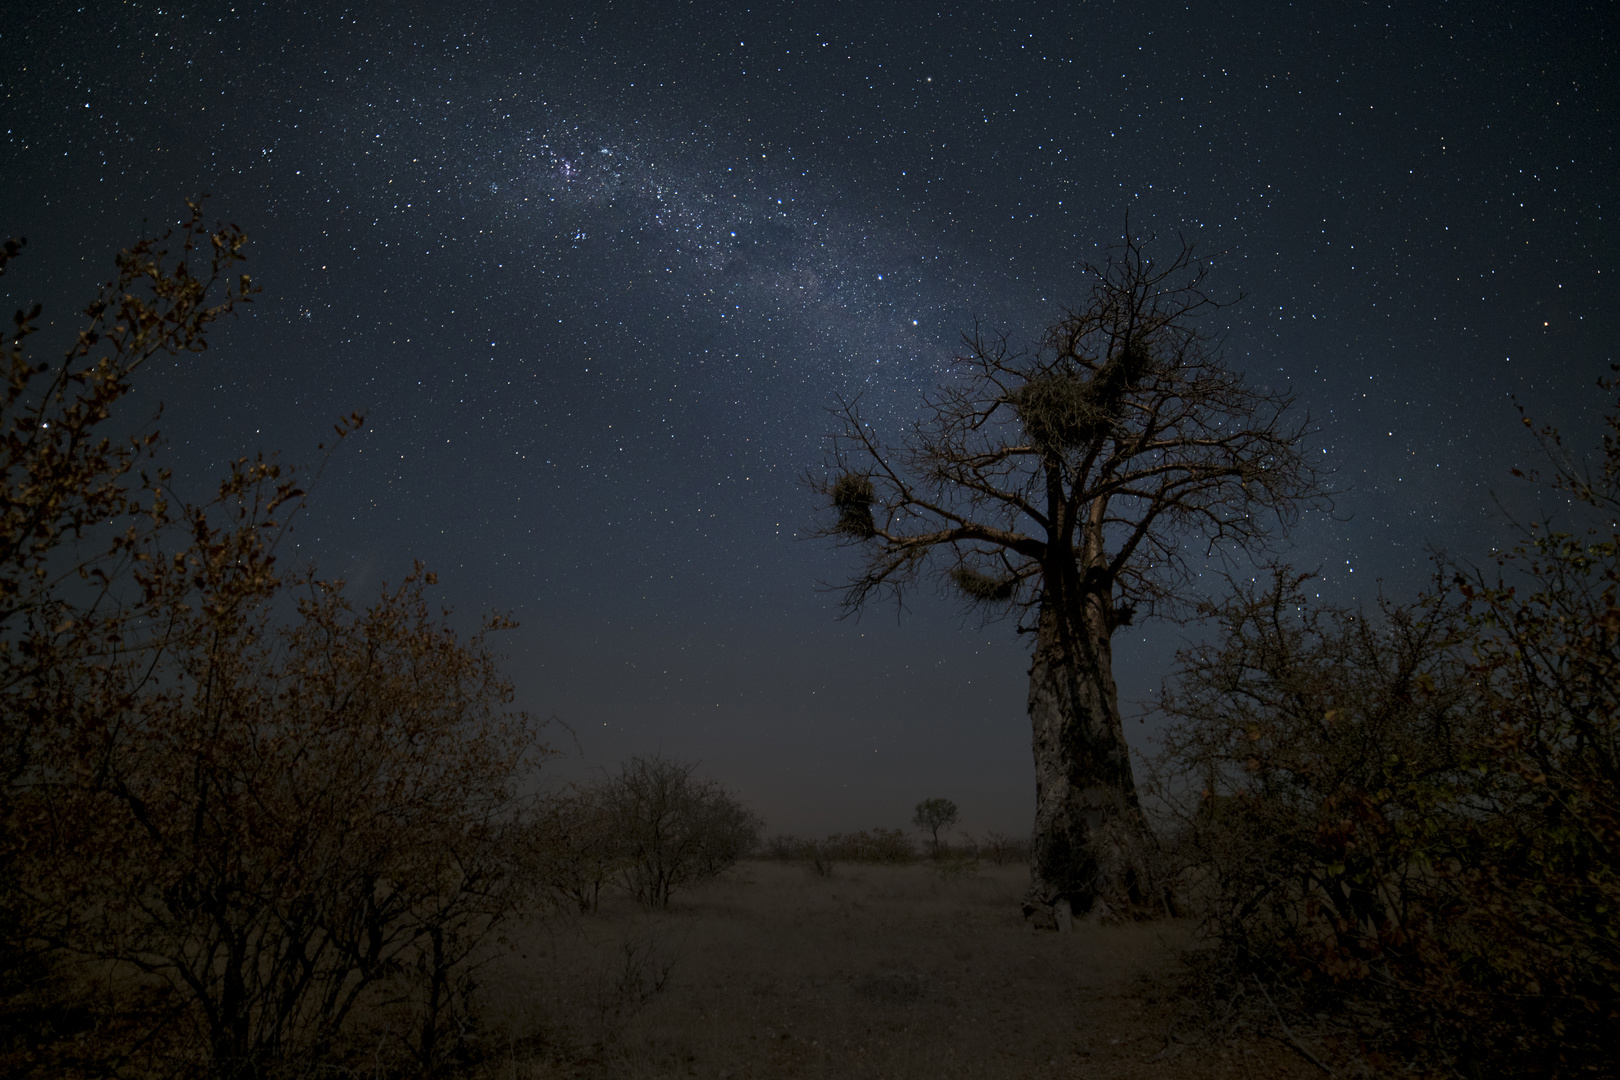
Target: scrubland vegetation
{"type": "Point", "coordinates": [882, 970]}
{"type": "Point", "coordinates": [1401, 822]}
{"type": "Point", "coordinates": [892, 847]}
{"type": "Point", "coordinates": [254, 826]}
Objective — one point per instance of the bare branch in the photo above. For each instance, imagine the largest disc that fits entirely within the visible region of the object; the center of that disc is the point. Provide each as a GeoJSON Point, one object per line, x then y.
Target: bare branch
{"type": "Point", "coordinates": [1125, 415]}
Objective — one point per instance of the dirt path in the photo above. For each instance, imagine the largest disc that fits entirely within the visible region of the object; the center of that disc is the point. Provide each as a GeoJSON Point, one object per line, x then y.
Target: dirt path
{"type": "Point", "coordinates": [891, 972]}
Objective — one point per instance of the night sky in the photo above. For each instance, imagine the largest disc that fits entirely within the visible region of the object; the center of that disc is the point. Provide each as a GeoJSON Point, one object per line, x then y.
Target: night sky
{"type": "Point", "coordinates": [594, 273]}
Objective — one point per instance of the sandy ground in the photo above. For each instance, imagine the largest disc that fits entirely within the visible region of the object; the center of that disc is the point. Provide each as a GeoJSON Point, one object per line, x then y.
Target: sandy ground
{"type": "Point", "coordinates": [880, 972]}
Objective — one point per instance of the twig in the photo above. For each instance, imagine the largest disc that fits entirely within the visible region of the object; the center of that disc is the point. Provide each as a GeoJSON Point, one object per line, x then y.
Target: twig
{"type": "Point", "coordinates": [1231, 1003]}
{"type": "Point", "coordinates": [1289, 1035]}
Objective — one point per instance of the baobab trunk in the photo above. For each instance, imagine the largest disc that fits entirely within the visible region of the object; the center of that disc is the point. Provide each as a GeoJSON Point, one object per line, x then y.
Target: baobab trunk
{"type": "Point", "coordinates": [1091, 848]}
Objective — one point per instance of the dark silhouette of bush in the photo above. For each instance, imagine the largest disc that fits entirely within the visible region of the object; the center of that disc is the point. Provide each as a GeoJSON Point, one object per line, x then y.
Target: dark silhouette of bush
{"type": "Point", "coordinates": [237, 809]}
{"type": "Point", "coordinates": [1001, 848]}
{"type": "Point", "coordinates": [1409, 815]}
{"type": "Point", "coordinates": [874, 846]}
{"type": "Point", "coordinates": [670, 829]}
{"type": "Point", "coordinates": [786, 847]}
{"type": "Point", "coordinates": [573, 847]}
{"type": "Point", "coordinates": [878, 845]}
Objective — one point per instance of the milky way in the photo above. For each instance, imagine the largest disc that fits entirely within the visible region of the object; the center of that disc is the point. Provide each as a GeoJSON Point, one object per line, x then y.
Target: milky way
{"type": "Point", "coordinates": [594, 272]}
{"type": "Point", "coordinates": [722, 231]}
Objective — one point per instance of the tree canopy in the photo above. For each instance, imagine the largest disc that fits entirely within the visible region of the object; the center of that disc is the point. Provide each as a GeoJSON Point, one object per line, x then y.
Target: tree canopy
{"type": "Point", "coordinates": [1081, 482]}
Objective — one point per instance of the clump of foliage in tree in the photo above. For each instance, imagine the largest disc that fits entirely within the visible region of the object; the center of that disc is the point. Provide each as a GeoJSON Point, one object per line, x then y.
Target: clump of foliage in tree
{"type": "Point", "coordinates": [1409, 816]}
{"type": "Point", "coordinates": [238, 808]}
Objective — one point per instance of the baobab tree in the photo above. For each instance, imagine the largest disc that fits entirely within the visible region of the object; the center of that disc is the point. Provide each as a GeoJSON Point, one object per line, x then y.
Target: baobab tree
{"type": "Point", "coordinates": [1077, 486]}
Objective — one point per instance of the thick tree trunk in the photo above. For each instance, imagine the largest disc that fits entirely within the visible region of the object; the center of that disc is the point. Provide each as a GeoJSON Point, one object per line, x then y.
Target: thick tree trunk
{"type": "Point", "coordinates": [1091, 849]}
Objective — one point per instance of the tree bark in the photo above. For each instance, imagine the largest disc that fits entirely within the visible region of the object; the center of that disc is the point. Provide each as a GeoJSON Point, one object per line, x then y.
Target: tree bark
{"type": "Point", "coordinates": [1090, 855]}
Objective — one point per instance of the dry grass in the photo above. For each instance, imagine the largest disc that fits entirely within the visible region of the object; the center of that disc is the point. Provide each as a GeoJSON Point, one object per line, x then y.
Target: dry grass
{"type": "Point", "coordinates": [880, 972]}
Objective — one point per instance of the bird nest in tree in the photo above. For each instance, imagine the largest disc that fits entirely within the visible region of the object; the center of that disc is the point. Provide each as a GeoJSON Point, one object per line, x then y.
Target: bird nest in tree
{"type": "Point", "coordinates": [983, 588]}
{"type": "Point", "coordinates": [852, 497]}
{"type": "Point", "coordinates": [1062, 410]}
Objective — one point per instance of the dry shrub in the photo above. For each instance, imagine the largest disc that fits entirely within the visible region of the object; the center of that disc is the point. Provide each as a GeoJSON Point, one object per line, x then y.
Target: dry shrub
{"type": "Point", "coordinates": [1408, 819]}
{"type": "Point", "coordinates": [878, 845]}
{"type": "Point", "coordinates": [785, 847]}
{"type": "Point", "coordinates": [238, 811]}
{"type": "Point", "coordinates": [651, 829]}
{"type": "Point", "coordinates": [573, 848]}
{"type": "Point", "coordinates": [873, 846]}
{"type": "Point", "coordinates": [1312, 753]}
{"type": "Point", "coordinates": [821, 860]}
{"type": "Point", "coordinates": [955, 862]}
{"type": "Point", "coordinates": [1001, 849]}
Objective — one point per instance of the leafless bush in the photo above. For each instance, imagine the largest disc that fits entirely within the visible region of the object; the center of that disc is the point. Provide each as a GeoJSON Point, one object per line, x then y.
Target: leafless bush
{"type": "Point", "coordinates": [670, 829]}
{"type": "Point", "coordinates": [879, 845]}
{"type": "Point", "coordinates": [573, 848]}
{"type": "Point", "coordinates": [1001, 848]}
{"type": "Point", "coordinates": [821, 859]}
{"type": "Point", "coordinates": [819, 855]}
{"type": "Point", "coordinates": [641, 970]}
{"type": "Point", "coordinates": [788, 848]}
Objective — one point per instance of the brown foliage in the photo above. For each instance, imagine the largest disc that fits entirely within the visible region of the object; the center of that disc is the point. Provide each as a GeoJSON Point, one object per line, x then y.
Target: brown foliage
{"type": "Point", "coordinates": [1545, 880]}
{"type": "Point", "coordinates": [236, 807]}
{"type": "Point", "coordinates": [1411, 814]}
{"type": "Point", "coordinates": [1314, 755]}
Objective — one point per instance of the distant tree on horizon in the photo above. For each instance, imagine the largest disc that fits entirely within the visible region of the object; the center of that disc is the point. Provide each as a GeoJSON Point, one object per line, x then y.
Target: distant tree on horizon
{"type": "Point", "coordinates": [934, 815]}
{"type": "Point", "coordinates": [1072, 488]}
